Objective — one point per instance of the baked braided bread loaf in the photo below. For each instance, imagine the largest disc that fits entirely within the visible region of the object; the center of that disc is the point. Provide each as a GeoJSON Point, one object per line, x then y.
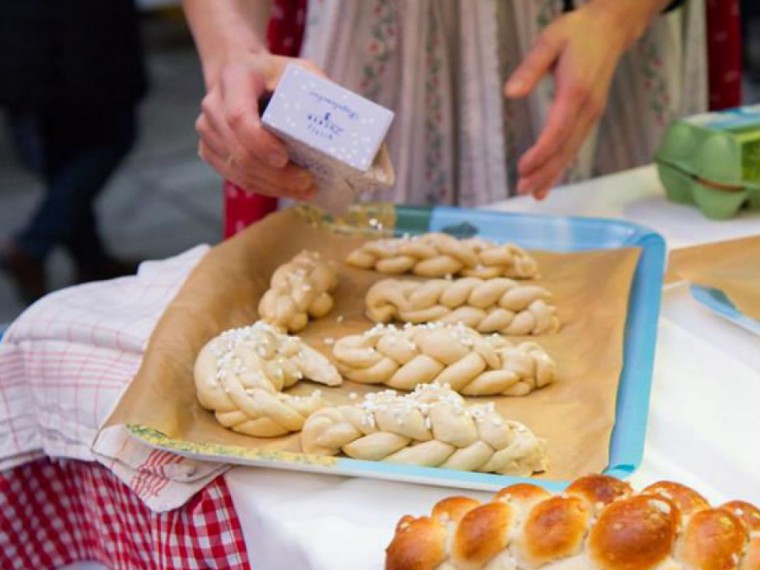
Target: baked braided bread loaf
{"type": "Point", "coordinates": [439, 254]}
{"type": "Point", "coordinates": [491, 305]}
{"type": "Point", "coordinates": [598, 523]}
{"type": "Point", "coordinates": [299, 289]}
{"type": "Point", "coordinates": [469, 362]}
{"type": "Point", "coordinates": [430, 426]}
{"type": "Point", "coordinates": [240, 375]}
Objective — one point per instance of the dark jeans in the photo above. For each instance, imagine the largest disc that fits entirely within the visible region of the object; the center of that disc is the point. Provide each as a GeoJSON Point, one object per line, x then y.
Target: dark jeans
{"type": "Point", "coordinates": [75, 150]}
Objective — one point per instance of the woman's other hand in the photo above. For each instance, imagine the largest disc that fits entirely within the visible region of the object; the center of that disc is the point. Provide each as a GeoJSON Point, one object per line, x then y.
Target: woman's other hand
{"type": "Point", "coordinates": [581, 49]}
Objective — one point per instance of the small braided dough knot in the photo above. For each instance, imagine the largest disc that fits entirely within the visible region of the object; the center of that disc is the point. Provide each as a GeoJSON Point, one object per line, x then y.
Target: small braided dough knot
{"type": "Point", "coordinates": [598, 523]}
{"type": "Point", "coordinates": [493, 305]}
{"type": "Point", "coordinates": [439, 254]}
{"type": "Point", "coordinates": [469, 362]}
{"type": "Point", "coordinates": [299, 289]}
{"type": "Point", "coordinates": [240, 375]}
{"type": "Point", "coordinates": [430, 427]}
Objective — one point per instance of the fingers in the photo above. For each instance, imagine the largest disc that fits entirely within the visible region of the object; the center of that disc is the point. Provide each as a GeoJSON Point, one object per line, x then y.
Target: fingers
{"type": "Point", "coordinates": [544, 163]}
{"type": "Point", "coordinates": [564, 115]}
{"type": "Point", "coordinates": [234, 142]}
{"type": "Point", "coordinates": [240, 90]}
{"type": "Point", "coordinates": [291, 180]}
{"type": "Point", "coordinates": [222, 150]}
{"type": "Point", "coordinates": [541, 180]}
{"type": "Point", "coordinates": [250, 180]}
{"type": "Point", "coordinates": [218, 140]}
{"type": "Point", "coordinates": [582, 74]}
{"type": "Point", "coordinates": [210, 134]}
{"type": "Point", "coordinates": [536, 64]}
{"type": "Point", "coordinates": [573, 113]}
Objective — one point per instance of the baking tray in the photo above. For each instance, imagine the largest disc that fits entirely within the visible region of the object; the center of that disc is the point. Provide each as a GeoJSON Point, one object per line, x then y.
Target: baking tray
{"type": "Point", "coordinates": [561, 234]}
{"type": "Point", "coordinates": [717, 301]}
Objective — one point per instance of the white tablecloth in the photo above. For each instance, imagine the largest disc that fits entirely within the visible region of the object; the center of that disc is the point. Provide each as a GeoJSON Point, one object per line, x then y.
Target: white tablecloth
{"type": "Point", "coordinates": [703, 430]}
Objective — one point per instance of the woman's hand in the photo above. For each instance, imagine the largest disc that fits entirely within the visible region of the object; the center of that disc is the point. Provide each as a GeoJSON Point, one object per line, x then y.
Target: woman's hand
{"type": "Point", "coordinates": [232, 138]}
{"type": "Point", "coordinates": [581, 49]}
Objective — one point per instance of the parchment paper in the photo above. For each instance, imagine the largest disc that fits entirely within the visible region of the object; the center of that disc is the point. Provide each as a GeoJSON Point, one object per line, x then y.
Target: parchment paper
{"type": "Point", "coordinates": [575, 414]}
{"type": "Point", "coordinates": [732, 266]}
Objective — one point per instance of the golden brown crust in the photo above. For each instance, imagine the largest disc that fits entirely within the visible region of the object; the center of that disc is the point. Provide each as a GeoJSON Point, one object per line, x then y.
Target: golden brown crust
{"type": "Point", "coordinates": [749, 514]}
{"type": "Point", "coordinates": [452, 509]}
{"type": "Point", "coordinates": [522, 493]}
{"type": "Point", "coordinates": [482, 534]}
{"type": "Point", "coordinates": [599, 489]}
{"type": "Point", "coordinates": [419, 544]}
{"type": "Point", "coordinates": [555, 529]}
{"type": "Point", "coordinates": [714, 539]}
{"type": "Point", "coordinates": [685, 498]}
{"type": "Point", "coordinates": [752, 557]}
{"type": "Point", "coordinates": [633, 534]}
{"type": "Point", "coordinates": [598, 523]}
{"type": "Point", "coordinates": [403, 522]}
{"type": "Point", "coordinates": [750, 517]}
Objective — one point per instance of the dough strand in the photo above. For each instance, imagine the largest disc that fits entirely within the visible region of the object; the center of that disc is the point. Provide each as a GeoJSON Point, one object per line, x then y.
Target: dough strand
{"type": "Point", "coordinates": [469, 362]}
{"type": "Point", "coordinates": [240, 376]}
{"type": "Point", "coordinates": [438, 255]}
{"type": "Point", "coordinates": [432, 427]}
{"type": "Point", "coordinates": [493, 305]}
{"type": "Point", "coordinates": [299, 289]}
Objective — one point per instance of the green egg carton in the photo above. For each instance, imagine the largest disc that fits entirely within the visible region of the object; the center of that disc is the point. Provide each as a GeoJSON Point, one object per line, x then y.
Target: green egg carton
{"type": "Point", "coordinates": [712, 161]}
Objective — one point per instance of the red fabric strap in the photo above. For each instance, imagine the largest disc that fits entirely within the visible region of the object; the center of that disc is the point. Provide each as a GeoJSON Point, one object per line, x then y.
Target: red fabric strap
{"type": "Point", "coordinates": [724, 53]}
{"type": "Point", "coordinates": [284, 36]}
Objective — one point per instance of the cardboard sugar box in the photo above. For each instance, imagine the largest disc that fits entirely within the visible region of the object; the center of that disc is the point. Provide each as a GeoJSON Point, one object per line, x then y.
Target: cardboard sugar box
{"type": "Point", "coordinates": [334, 133]}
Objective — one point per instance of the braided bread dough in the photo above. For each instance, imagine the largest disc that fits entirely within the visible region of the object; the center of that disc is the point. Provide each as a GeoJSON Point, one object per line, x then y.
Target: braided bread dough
{"type": "Point", "coordinates": [439, 254]}
{"type": "Point", "coordinates": [299, 289]}
{"type": "Point", "coordinates": [240, 375]}
{"type": "Point", "coordinates": [492, 305]}
{"type": "Point", "coordinates": [596, 524]}
{"type": "Point", "coordinates": [430, 426]}
{"type": "Point", "coordinates": [470, 363]}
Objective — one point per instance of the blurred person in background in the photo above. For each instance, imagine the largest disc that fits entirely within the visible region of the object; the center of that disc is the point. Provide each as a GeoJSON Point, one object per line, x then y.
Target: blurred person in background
{"type": "Point", "coordinates": [72, 76]}
{"type": "Point", "coordinates": [750, 17]}
{"type": "Point", "coordinates": [475, 122]}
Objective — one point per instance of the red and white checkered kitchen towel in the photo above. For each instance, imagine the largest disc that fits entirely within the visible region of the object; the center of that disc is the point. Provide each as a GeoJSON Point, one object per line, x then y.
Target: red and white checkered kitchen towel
{"type": "Point", "coordinates": [64, 364]}
{"type": "Point", "coordinates": [53, 513]}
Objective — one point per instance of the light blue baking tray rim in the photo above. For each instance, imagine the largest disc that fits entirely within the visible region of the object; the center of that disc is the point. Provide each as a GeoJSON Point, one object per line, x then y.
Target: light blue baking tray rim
{"type": "Point", "coordinates": [564, 234]}
{"type": "Point", "coordinates": [717, 301]}
{"type": "Point", "coordinates": [579, 234]}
